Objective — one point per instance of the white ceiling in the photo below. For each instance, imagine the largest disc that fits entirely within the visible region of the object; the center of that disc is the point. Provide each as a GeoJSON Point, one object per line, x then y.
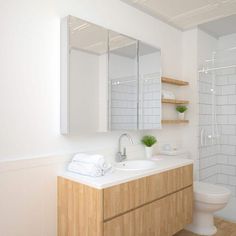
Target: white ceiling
{"type": "Point", "coordinates": [87, 36]}
{"type": "Point", "coordinates": [131, 50]}
{"type": "Point", "coordinates": [185, 14]}
{"type": "Point", "coordinates": [94, 39]}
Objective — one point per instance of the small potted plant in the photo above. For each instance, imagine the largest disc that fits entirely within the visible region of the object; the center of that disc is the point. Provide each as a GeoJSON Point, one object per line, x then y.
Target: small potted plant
{"type": "Point", "coordinates": [181, 111]}
{"type": "Point", "coordinates": [148, 141]}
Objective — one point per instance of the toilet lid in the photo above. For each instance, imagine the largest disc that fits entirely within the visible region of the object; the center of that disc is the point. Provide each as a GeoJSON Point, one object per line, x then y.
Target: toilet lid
{"type": "Point", "coordinates": [210, 193]}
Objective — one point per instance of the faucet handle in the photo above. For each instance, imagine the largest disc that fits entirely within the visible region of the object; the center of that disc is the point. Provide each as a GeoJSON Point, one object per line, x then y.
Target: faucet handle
{"type": "Point", "coordinates": [121, 157]}
{"type": "Point", "coordinates": [118, 156]}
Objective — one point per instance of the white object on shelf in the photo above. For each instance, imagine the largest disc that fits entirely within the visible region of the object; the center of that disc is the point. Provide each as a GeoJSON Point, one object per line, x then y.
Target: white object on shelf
{"type": "Point", "coordinates": [173, 152]}
{"type": "Point", "coordinates": [181, 116]}
{"type": "Point", "coordinates": [148, 151]}
{"type": "Point", "coordinates": [167, 94]}
{"type": "Point", "coordinates": [167, 147]}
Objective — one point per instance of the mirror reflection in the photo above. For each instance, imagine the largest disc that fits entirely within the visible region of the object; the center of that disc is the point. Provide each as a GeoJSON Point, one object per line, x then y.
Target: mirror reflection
{"type": "Point", "coordinates": [109, 81]}
{"type": "Point", "coordinates": [123, 83]}
{"type": "Point", "coordinates": [87, 76]}
{"type": "Point", "coordinates": [149, 87]}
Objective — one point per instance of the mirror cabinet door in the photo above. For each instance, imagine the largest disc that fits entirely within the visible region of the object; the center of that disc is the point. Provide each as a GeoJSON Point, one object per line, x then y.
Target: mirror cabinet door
{"type": "Point", "coordinates": [149, 87]}
{"type": "Point", "coordinates": [86, 104]}
{"type": "Point", "coordinates": [123, 82]}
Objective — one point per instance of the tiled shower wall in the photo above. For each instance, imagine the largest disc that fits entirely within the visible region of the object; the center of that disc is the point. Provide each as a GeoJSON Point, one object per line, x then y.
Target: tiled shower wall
{"type": "Point", "coordinates": [124, 103]}
{"type": "Point", "coordinates": [208, 151]}
{"type": "Point", "coordinates": [226, 114]}
{"type": "Point", "coordinates": [218, 160]}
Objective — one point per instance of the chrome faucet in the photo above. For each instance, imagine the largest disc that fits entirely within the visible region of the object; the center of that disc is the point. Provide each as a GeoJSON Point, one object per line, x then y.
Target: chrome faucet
{"type": "Point", "coordinates": [121, 154]}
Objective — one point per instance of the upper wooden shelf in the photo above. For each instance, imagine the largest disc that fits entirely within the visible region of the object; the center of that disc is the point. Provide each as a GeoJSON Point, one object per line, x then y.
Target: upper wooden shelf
{"type": "Point", "coordinates": [174, 101]}
{"type": "Point", "coordinates": [174, 81]}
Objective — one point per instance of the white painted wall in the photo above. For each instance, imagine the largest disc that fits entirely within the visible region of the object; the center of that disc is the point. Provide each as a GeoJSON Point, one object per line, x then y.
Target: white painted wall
{"type": "Point", "coordinates": [227, 41]}
{"type": "Point", "coordinates": [30, 76]}
{"type": "Point", "coordinates": [121, 66]}
{"type": "Point", "coordinates": [207, 44]}
{"type": "Point", "coordinates": [28, 196]}
{"type": "Point", "coordinates": [103, 93]}
{"type": "Point", "coordinates": [29, 101]}
{"type": "Point", "coordinates": [189, 47]}
{"type": "Point", "coordinates": [84, 90]}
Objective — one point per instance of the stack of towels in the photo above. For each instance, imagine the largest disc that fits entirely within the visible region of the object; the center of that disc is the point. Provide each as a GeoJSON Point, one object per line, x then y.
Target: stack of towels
{"type": "Point", "coordinates": [90, 165]}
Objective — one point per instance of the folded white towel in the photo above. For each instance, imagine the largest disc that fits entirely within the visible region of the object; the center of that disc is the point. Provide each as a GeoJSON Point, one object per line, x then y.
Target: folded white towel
{"type": "Point", "coordinates": [91, 165]}
{"type": "Point", "coordinates": [98, 160]}
{"type": "Point", "coordinates": [88, 169]}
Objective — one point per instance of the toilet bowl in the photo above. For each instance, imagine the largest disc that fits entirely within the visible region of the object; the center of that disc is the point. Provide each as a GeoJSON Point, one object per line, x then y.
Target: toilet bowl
{"type": "Point", "coordinates": [208, 198]}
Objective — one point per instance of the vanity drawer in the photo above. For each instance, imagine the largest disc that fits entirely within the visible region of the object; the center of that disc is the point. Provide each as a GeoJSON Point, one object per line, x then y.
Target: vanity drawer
{"type": "Point", "coordinates": [124, 197]}
{"type": "Point", "coordinates": [165, 216]}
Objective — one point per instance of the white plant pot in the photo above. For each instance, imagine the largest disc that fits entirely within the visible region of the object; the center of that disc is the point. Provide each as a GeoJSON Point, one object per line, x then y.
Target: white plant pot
{"type": "Point", "coordinates": [181, 116]}
{"type": "Point", "coordinates": [148, 151]}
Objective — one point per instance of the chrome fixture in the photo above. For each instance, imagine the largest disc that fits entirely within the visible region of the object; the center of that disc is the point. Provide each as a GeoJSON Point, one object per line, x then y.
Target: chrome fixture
{"type": "Point", "coordinates": [121, 154]}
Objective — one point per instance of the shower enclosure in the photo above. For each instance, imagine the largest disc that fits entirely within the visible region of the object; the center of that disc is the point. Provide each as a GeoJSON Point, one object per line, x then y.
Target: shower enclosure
{"type": "Point", "coordinates": [217, 124]}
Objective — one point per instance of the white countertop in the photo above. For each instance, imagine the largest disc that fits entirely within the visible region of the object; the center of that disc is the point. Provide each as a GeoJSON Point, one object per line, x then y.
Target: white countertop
{"type": "Point", "coordinates": [122, 176]}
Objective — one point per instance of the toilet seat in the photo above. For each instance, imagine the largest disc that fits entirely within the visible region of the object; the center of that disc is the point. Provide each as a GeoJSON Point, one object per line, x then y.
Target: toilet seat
{"type": "Point", "coordinates": [210, 193]}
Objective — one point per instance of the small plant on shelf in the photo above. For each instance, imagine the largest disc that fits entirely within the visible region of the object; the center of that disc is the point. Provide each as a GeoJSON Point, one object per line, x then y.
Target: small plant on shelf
{"type": "Point", "coordinates": [148, 141]}
{"type": "Point", "coordinates": [181, 110]}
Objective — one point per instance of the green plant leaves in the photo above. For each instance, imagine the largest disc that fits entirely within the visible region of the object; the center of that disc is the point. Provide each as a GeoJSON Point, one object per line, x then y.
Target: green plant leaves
{"type": "Point", "coordinates": [181, 109]}
{"type": "Point", "coordinates": [148, 140]}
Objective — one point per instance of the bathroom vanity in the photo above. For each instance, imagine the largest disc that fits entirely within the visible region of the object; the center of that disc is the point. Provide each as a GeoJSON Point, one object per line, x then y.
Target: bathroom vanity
{"type": "Point", "coordinates": [155, 202]}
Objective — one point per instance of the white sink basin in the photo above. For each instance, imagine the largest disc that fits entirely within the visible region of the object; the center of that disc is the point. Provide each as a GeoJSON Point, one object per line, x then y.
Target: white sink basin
{"type": "Point", "coordinates": [136, 165]}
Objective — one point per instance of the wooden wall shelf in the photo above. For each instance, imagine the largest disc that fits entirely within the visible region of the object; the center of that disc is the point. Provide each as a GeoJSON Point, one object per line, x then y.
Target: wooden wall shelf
{"type": "Point", "coordinates": [174, 122]}
{"type": "Point", "coordinates": [174, 101]}
{"type": "Point", "coordinates": [174, 81]}
{"type": "Point", "coordinates": [167, 80]}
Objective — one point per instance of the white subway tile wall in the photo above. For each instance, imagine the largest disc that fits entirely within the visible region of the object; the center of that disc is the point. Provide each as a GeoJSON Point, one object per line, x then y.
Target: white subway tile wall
{"type": "Point", "coordinates": [208, 152]}
{"type": "Point", "coordinates": [149, 101]}
{"type": "Point", "coordinates": [125, 98]}
{"type": "Point", "coordinates": [217, 157]}
{"type": "Point", "coordinates": [124, 104]}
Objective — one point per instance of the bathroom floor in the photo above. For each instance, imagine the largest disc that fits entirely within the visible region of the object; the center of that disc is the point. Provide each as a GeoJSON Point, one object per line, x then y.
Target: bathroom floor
{"type": "Point", "coordinates": [225, 228]}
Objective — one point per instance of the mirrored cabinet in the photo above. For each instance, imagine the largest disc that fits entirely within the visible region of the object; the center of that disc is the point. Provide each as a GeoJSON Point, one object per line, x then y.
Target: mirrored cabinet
{"type": "Point", "coordinates": [123, 82]}
{"type": "Point", "coordinates": [109, 81]}
{"type": "Point", "coordinates": [149, 59]}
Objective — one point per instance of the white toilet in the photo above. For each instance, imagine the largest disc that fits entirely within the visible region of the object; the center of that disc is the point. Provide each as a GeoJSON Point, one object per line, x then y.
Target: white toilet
{"type": "Point", "coordinates": [208, 198]}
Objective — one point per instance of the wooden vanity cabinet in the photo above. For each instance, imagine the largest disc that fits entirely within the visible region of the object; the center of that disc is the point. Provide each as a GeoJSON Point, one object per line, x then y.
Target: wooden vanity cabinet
{"type": "Point", "coordinates": [156, 205]}
{"type": "Point", "coordinates": [162, 217]}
